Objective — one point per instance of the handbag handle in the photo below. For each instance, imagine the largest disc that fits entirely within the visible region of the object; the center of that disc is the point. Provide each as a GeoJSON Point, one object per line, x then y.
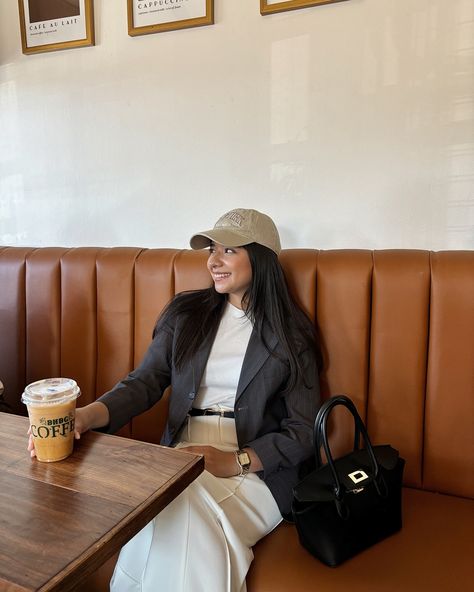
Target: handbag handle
{"type": "Point", "coordinates": [317, 430]}
{"type": "Point", "coordinates": [320, 437]}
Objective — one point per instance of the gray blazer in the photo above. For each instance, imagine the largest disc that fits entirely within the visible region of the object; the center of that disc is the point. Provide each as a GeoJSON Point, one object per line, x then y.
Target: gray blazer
{"type": "Point", "coordinates": [279, 427]}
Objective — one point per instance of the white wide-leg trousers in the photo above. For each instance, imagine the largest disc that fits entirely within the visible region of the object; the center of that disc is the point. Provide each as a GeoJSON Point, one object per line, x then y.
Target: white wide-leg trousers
{"type": "Point", "coordinates": [202, 541]}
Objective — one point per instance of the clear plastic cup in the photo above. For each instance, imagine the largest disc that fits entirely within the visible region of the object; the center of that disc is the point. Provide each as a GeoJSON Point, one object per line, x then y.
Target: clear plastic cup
{"type": "Point", "coordinates": [51, 405]}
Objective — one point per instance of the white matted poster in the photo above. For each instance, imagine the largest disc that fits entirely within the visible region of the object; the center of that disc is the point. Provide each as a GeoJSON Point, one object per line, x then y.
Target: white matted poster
{"type": "Point", "coordinates": [155, 16]}
{"type": "Point", "coordinates": [271, 6]}
{"type": "Point", "coordinates": [49, 25]}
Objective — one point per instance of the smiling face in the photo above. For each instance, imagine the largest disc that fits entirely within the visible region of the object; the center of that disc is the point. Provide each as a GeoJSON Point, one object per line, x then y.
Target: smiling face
{"type": "Point", "coordinates": [231, 271]}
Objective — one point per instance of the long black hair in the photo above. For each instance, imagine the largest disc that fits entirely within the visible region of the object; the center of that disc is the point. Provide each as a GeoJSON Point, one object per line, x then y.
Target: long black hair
{"type": "Point", "coordinates": [268, 300]}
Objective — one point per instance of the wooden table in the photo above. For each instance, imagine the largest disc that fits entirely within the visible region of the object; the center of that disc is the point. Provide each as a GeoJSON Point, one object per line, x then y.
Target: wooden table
{"type": "Point", "coordinates": [60, 521]}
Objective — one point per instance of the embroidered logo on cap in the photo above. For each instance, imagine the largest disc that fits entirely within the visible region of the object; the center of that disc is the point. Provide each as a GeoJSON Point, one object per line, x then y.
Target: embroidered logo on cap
{"type": "Point", "coordinates": [234, 217]}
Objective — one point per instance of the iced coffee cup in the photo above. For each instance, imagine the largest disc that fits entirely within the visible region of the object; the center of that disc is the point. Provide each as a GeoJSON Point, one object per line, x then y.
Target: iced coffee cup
{"type": "Point", "coordinates": [51, 405]}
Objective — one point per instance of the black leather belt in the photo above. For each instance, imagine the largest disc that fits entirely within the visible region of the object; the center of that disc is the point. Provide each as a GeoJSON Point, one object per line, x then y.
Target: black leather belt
{"type": "Point", "coordinates": [195, 412]}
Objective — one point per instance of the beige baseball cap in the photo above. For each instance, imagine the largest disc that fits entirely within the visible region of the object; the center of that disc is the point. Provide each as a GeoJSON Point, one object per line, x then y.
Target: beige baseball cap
{"type": "Point", "coordinates": [240, 227]}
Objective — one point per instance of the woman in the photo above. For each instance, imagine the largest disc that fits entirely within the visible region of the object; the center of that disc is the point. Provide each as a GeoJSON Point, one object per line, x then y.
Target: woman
{"type": "Point", "coordinates": [241, 360]}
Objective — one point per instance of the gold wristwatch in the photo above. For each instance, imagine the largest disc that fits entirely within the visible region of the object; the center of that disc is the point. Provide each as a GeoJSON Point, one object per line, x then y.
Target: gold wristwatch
{"type": "Point", "coordinates": [243, 460]}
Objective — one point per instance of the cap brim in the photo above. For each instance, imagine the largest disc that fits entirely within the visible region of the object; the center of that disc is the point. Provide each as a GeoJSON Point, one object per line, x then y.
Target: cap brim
{"type": "Point", "coordinates": [222, 236]}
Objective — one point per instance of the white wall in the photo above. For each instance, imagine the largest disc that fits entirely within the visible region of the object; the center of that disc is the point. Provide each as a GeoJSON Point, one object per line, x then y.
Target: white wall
{"type": "Point", "coordinates": [352, 124]}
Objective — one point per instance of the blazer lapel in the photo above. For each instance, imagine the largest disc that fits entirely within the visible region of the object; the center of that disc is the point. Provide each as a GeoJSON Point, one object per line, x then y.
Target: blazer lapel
{"type": "Point", "coordinates": [254, 358]}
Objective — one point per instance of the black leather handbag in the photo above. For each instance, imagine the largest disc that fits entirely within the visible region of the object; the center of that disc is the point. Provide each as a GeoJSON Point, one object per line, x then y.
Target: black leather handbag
{"type": "Point", "coordinates": [351, 503]}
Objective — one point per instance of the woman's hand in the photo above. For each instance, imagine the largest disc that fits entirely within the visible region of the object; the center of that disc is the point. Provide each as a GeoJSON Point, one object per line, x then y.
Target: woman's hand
{"type": "Point", "coordinates": [91, 416]}
{"type": "Point", "coordinates": [224, 464]}
{"type": "Point", "coordinates": [217, 462]}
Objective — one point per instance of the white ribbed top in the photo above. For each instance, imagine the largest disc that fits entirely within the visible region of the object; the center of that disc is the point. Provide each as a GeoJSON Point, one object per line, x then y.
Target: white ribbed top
{"type": "Point", "coordinates": [221, 376]}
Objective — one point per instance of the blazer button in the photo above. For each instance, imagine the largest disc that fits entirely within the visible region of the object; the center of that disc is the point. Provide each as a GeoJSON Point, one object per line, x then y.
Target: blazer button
{"type": "Point", "coordinates": [191, 395]}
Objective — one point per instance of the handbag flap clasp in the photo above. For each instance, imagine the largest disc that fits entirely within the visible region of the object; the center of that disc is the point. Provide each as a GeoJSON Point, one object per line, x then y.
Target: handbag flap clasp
{"type": "Point", "coordinates": [358, 476]}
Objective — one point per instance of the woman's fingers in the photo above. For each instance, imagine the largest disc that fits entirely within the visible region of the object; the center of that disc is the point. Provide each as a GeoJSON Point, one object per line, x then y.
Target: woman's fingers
{"type": "Point", "coordinates": [31, 445]}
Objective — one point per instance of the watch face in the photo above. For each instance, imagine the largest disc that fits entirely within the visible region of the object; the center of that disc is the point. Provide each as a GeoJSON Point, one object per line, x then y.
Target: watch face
{"type": "Point", "coordinates": [244, 459]}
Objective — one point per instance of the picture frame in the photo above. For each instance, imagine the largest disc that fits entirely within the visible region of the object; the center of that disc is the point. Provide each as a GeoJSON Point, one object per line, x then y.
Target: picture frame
{"type": "Point", "coordinates": [157, 16]}
{"type": "Point", "coordinates": [273, 6]}
{"type": "Point", "coordinates": [52, 25]}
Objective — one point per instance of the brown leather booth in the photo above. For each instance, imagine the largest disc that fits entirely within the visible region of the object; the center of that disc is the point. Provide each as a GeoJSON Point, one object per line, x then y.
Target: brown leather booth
{"type": "Point", "coordinates": [397, 333]}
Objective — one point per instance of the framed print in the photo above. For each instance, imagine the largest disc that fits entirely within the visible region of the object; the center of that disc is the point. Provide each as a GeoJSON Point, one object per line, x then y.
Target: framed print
{"type": "Point", "coordinates": [271, 6]}
{"type": "Point", "coordinates": [156, 16]}
{"type": "Point", "coordinates": [49, 25]}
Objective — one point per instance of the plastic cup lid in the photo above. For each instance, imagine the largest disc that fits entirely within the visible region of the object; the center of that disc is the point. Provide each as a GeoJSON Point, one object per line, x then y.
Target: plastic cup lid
{"type": "Point", "coordinates": [50, 391]}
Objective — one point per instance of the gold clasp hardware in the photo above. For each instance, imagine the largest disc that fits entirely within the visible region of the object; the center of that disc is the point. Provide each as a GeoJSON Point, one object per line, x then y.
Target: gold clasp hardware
{"type": "Point", "coordinates": [358, 476]}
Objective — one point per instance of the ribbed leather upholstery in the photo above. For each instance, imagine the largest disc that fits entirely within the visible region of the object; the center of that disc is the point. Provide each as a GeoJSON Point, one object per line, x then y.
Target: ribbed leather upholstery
{"type": "Point", "coordinates": [449, 414]}
{"type": "Point", "coordinates": [154, 287]}
{"type": "Point", "coordinates": [13, 323]}
{"type": "Point", "coordinates": [397, 336]}
{"type": "Point", "coordinates": [398, 353]}
{"type": "Point", "coordinates": [43, 312]}
{"type": "Point", "coordinates": [78, 314]}
{"type": "Point", "coordinates": [343, 315]}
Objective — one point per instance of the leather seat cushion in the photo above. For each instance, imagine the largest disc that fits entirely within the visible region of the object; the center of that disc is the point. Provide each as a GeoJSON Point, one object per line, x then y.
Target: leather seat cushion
{"type": "Point", "coordinates": [433, 551]}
